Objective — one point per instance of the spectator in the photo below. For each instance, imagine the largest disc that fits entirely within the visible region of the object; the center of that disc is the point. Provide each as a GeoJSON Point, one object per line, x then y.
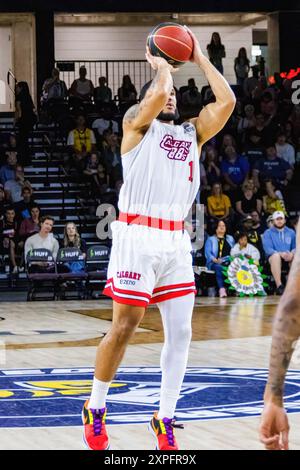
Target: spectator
{"type": "Point", "coordinates": [30, 226]}
{"type": "Point", "coordinates": [13, 188]}
{"type": "Point", "coordinates": [192, 97]}
{"type": "Point", "coordinates": [234, 169]}
{"type": "Point", "coordinates": [279, 244]}
{"type": "Point", "coordinates": [53, 88]}
{"type": "Point", "coordinates": [273, 200]}
{"type": "Point", "coordinates": [72, 238]}
{"type": "Point", "coordinates": [8, 171]}
{"type": "Point", "coordinates": [273, 168]}
{"type": "Point", "coordinates": [213, 172]}
{"type": "Point", "coordinates": [284, 150]}
{"type": "Point", "coordinates": [253, 149]}
{"type": "Point", "coordinates": [43, 239]}
{"type": "Point", "coordinates": [82, 89]}
{"type": "Point", "coordinates": [242, 247]}
{"type": "Point", "coordinates": [227, 141]}
{"type": "Point", "coordinates": [25, 119]}
{"type": "Point", "coordinates": [257, 224]}
{"type": "Point", "coordinates": [248, 121]}
{"type": "Point", "coordinates": [241, 66]}
{"type": "Point", "coordinates": [218, 204]}
{"type": "Point", "coordinates": [9, 239]}
{"type": "Point", "coordinates": [10, 146]}
{"type": "Point", "coordinates": [112, 157]}
{"type": "Point", "coordinates": [82, 143]}
{"type": "Point", "coordinates": [217, 252]}
{"type": "Point", "coordinates": [95, 172]}
{"type": "Point", "coordinates": [216, 52]}
{"type": "Point", "coordinates": [289, 133]}
{"type": "Point", "coordinates": [127, 94]}
{"type": "Point", "coordinates": [106, 122]}
{"type": "Point", "coordinates": [268, 104]}
{"type": "Point", "coordinates": [102, 93]}
{"type": "Point", "coordinates": [23, 207]}
{"type": "Point", "coordinates": [254, 234]}
{"type": "Point", "coordinates": [248, 201]}
{"type": "Point", "coordinates": [295, 119]}
{"type": "Point", "coordinates": [3, 202]}
{"type": "Point", "coordinates": [250, 83]}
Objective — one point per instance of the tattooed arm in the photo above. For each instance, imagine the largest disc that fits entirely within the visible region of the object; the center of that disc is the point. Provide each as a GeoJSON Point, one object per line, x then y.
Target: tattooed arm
{"type": "Point", "coordinates": [140, 116]}
{"type": "Point", "coordinates": [286, 331]}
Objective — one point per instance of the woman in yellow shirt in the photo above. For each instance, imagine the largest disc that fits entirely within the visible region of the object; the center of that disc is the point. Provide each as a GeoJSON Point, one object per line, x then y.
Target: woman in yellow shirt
{"type": "Point", "coordinates": [218, 204]}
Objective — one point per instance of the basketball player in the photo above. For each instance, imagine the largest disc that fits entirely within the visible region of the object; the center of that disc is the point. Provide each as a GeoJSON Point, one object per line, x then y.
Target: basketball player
{"type": "Point", "coordinates": [274, 426]}
{"type": "Point", "coordinates": [150, 259]}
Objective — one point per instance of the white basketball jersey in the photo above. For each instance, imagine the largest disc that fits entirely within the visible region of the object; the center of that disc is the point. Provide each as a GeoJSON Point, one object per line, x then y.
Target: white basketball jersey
{"type": "Point", "coordinates": [162, 173]}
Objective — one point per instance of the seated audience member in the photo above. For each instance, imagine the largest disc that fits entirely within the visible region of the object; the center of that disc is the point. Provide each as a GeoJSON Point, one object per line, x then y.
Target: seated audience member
{"type": "Point", "coordinates": [192, 97]}
{"type": "Point", "coordinates": [43, 239]}
{"type": "Point", "coordinates": [82, 143]}
{"type": "Point", "coordinates": [8, 171]}
{"type": "Point", "coordinates": [217, 252]}
{"type": "Point", "coordinates": [23, 207]}
{"type": "Point", "coordinates": [3, 201]}
{"type": "Point", "coordinates": [257, 224]}
{"type": "Point", "coordinates": [272, 167]}
{"type": "Point", "coordinates": [106, 122]}
{"type": "Point", "coordinates": [248, 201]}
{"type": "Point", "coordinates": [227, 141]}
{"type": "Point", "coordinates": [268, 104]}
{"type": "Point", "coordinates": [102, 93]}
{"type": "Point", "coordinates": [254, 234]}
{"type": "Point", "coordinates": [30, 226]}
{"type": "Point", "coordinates": [96, 174]}
{"type": "Point", "coordinates": [127, 94]}
{"type": "Point", "coordinates": [54, 89]}
{"type": "Point", "coordinates": [213, 172]}
{"type": "Point", "coordinates": [253, 148]}
{"type": "Point", "coordinates": [13, 188]}
{"type": "Point", "coordinates": [234, 169]}
{"type": "Point", "coordinates": [9, 238]}
{"type": "Point", "coordinates": [112, 158]}
{"type": "Point", "coordinates": [279, 243]}
{"type": "Point", "coordinates": [247, 122]}
{"type": "Point", "coordinates": [72, 238]}
{"type": "Point", "coordinates": [242, 247]}
{"type": "Point", "coordinates": [273, 199]}
{"type": "Point", "coordinates": [82, 88]}
{"type": "Point", "coordinates": [285, 150]}
{"type": "Point", "coordinates": [218, 204]}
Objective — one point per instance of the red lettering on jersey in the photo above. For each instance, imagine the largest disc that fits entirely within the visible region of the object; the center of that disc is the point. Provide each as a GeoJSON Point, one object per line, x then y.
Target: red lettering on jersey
{"type": "Point", "coordinates": [177, 149]}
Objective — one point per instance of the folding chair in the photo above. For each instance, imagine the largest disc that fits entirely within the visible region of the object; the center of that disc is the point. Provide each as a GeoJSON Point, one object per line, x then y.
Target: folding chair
{"type": "Point", "coordinates": [96, 266]}
{"type": "Point", "coordinates": [71, 272]}
{"type": "Point", "coordinates": [41, 274]}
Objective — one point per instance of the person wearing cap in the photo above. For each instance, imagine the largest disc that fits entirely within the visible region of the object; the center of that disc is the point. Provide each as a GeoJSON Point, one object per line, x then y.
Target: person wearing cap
{"type": "Point", "coordinates": [279, 243]}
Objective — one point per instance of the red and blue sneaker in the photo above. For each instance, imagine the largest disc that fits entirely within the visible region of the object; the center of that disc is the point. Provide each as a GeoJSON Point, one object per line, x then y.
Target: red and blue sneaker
{"type": "Point", "coordinates": [94, 435]}
{"type": "Point", "coordinates": [163, 431]}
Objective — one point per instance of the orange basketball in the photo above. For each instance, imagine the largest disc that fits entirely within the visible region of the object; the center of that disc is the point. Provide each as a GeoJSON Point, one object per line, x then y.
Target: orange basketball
{"type": "Point", "coordinates": [172, 42]}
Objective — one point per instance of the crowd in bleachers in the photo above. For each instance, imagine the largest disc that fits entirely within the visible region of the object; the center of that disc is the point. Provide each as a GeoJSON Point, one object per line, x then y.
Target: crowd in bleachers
{"type": "Point", "coordinates": [249, 171]}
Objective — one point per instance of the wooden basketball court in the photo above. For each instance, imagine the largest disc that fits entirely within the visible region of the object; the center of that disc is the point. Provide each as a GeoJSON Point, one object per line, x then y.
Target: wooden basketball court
{"type": "Point", "coordinates": [47, 354]}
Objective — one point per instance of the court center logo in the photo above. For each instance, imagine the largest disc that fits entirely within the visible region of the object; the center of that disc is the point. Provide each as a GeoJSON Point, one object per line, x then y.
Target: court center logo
{"type": "Point", "coordinates": [54, 397]}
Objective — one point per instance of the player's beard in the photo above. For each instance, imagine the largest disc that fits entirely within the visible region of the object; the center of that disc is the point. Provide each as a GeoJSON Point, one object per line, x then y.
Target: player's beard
{"type": "Point", "coordinates": [168, 116]}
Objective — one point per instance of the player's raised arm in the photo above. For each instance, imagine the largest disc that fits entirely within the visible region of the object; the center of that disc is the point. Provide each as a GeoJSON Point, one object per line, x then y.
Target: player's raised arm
{"type": "Point", "coordinates": [140, 116]}
{"type": "Point", "coordinates": [286, 330]}
{"type": "Point", "coordinates": [214, 116]}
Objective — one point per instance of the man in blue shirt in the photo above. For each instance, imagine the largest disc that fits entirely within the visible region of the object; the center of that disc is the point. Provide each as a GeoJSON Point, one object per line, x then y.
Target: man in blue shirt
{"type": "Point", "coordinates": [279, 243]}
{"type": "Point", "coordinates": [272, 167]}
{"type": "Point", "coordinates": [8, 171]}
{"type": "Point", "coordinates": [234, 168]}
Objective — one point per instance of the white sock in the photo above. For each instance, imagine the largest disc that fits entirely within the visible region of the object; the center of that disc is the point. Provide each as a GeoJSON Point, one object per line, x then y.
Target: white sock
{"type": "Point", "coordinates": [99, 394]}
{"type": "Point", "coordinates": [168, 401]}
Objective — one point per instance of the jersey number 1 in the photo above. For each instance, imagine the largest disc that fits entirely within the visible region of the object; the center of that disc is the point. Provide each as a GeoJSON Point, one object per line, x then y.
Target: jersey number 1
{"type": "Point", "coordinates": [191, 171]}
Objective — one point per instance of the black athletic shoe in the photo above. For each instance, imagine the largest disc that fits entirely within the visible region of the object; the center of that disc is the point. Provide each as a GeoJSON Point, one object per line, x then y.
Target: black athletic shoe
{"type": "Point", "coordinates": [279, 290]}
